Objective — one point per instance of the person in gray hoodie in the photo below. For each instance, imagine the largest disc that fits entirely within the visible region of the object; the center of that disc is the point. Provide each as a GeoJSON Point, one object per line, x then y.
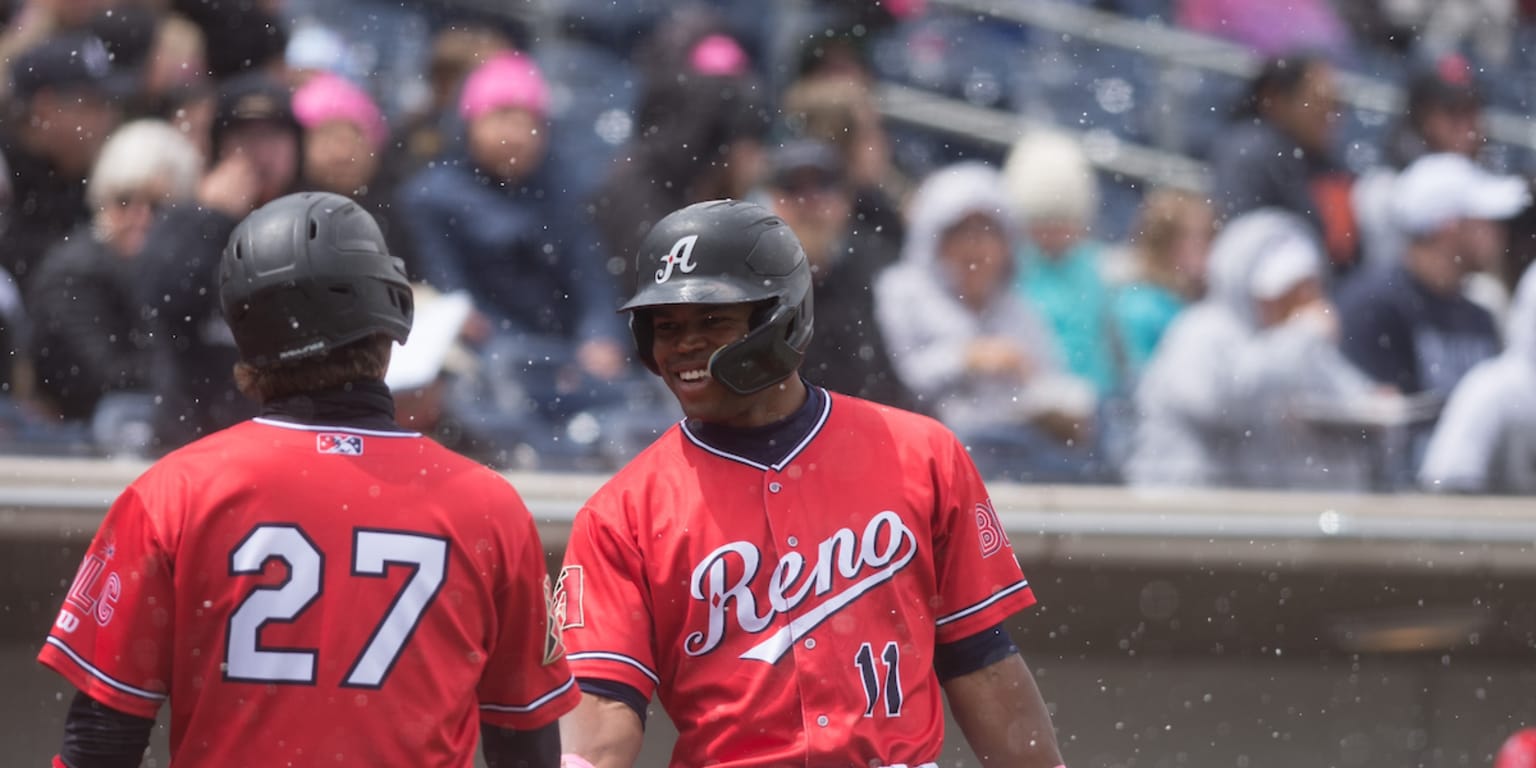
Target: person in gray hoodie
{"type": "Point", "coordinates": [972, 351]}
{"type": "Point", "coordinates": [1485, 441]}
{"type": "Point", "coordinates": [1233, 395]}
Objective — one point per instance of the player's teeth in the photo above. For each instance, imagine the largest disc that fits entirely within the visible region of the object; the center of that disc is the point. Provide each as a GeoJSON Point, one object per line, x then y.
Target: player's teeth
{"type": "Point", "coordinates": [692, 375]}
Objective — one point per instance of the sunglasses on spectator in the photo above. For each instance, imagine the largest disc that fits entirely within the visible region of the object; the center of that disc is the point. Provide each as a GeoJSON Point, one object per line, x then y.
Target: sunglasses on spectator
{"type": "Point", "coordinates": [131, 199]}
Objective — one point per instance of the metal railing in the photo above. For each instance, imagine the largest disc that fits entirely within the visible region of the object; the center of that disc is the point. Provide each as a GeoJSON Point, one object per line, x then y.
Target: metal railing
{"type": "Point", "coordinates": [1172, 48]}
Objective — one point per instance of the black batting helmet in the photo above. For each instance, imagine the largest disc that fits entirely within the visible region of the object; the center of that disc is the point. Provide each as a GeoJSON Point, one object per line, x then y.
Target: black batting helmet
{"type": "Point", "coordinates": [307, 273]}
{"type": "Point", "coordinates": [729, 252]}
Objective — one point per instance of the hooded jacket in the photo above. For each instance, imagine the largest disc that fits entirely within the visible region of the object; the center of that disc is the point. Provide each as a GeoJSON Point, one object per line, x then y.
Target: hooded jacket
{"type": "Point", "coordinates": [1187, 401]}
{"type": "Point", "coordinates": [1486, 438]}
{"type": "Point", "coordinates": [1221, 400]}
{"type": "Point", "coordinates": [927, 327]}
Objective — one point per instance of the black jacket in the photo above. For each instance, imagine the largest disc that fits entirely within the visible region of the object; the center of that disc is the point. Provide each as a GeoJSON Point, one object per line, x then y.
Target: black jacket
{"type": "Point", "coordinates": [88, 335]}
{"type": "Point", "coordinates": [193, 352]}
{"type": "Point", "coordinates": [847, 352]}
{"type": "Point", "coordinates": [45, 206]}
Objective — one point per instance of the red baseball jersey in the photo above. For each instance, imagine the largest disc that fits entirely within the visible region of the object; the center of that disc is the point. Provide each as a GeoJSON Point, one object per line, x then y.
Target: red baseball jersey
{"type": "Point", "coordinates": [788, 614]}
{"type": "Point", "coordinates": [317, 596]}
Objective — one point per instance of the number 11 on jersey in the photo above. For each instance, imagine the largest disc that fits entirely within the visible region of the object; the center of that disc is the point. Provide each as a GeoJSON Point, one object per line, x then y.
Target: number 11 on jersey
{"type": "Point", "coordinates": [869, 675]}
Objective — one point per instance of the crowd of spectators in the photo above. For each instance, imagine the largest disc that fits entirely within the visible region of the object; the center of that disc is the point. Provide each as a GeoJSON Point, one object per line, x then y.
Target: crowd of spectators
{"type": "Point", "coordinates": [1301, 324]}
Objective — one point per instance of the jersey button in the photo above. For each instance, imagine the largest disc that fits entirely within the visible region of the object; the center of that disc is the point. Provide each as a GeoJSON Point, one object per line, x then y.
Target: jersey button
{"type": "Point", "coordinates": [822, 721]}
{"type": "Point", "coordinates": [794, 542]}
{"type": "Point", "coordinates": [774, 487]}
{"type": "Point", "coordinates": [810, 642]}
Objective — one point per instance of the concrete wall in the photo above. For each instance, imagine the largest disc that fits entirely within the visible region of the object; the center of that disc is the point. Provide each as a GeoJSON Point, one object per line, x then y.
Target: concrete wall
{"type": "Point", "coordinates": [1249, 630]}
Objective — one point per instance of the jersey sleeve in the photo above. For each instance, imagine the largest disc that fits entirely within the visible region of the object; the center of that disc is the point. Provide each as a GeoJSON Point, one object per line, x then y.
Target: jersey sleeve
{"type": "Point", "coordinates": [604, 606]}
{"type": "Point", "coordinates": [113, 636]}
{"type": "Point", "coordinates": [527, 683]}
{"type": "Point", "coordinates": [979, 580]}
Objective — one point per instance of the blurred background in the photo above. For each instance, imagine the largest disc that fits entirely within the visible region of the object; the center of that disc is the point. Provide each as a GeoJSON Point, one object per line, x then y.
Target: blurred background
{"type": "Point", "coordinates": [1229, 299]}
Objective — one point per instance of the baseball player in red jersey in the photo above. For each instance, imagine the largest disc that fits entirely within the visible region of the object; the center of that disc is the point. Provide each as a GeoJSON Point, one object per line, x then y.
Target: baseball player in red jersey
{"type": "Point", "coordinates": [316, 586]}
{"type": "Point", "coordinates": [1518, 751]}
{"type": "Point", "coordinates": [797, 574]}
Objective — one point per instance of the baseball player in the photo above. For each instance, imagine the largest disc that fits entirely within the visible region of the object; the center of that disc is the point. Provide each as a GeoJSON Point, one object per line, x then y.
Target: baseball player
{"type": "Point", "coordinates": [798, 574]}
{"type": "Point", "coordinates": [1518, 751]}
{"type": "Point", "coordinates": [315, 586]}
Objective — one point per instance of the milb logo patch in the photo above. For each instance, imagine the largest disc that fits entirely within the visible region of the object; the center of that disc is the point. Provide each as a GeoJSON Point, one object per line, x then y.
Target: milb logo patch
{"type": "Point", "coordinates": [340, 443]}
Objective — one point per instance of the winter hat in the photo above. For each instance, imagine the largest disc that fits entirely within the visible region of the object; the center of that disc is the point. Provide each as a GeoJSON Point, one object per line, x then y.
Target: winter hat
{"type": "Point", "coordinates": [327, 97]}
{"type": "Point", "coordinates": [504, 80]}
{"type": "Point", "coordinates": [1048, 177]}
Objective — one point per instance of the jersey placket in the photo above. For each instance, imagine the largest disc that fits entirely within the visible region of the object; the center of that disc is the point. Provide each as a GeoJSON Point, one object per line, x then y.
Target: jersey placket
{"type": "Point", "coordinates": [788, 511]}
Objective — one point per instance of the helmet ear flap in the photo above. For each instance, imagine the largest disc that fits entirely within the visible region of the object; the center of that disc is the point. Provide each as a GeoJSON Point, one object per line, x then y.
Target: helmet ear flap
{"type": "Point", "coordinates": [640, 328]}
{"type": "Point", "coordinates": [762, 357]}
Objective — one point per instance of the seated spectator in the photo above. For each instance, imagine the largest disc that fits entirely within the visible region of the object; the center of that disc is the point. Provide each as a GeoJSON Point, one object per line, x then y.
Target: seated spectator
{"type": "Point", "coordinates": [424, 372]}
{"type": "Point", "coordinates": [10, 316]}
{"type": "Point", "coordinates": [492, 219]}
{"type": "Point", "coordinates": [699, 124]}
{"type": "Point", "coordinates": [256, 158]}
{"type": "Point", "coordinates": [241, 37]}
{"type": "Point", "coordinates": [1190, 416]}
{"type": "Point", "coordinates": [839, 108]}
{"type": "Point", "coordinates": [177, 69]}
{"type": "Point", "coordinates": [344, 134]}
{"type": "Point", "coordinates": [972, 350]}
{"type": "Point", "coordinates": [1280, 153]}
{"type": "Point", "coordinates": [1408, 325]}
{"type": "Point", "coordinates": [1443, 114]}
{"type": "Point", "coordinates": [1485, 441]}
{"type": "Point", "coordinates": [422, 136]}
{"type": "Point", "coordinates": [88, 333]}
{"type": "Point", "coordinates": [1169, 244]}
{"type": "Point", "coordinates": [1055, 195]}
{"type": "Point", "coordinates": [809, 189]}
{"type": "Point", "coordinates": [13, 333]}
{"type": "Point", "coordinates": [1307, 409]}
{"type": "Point", "coordinates": [65, 101]}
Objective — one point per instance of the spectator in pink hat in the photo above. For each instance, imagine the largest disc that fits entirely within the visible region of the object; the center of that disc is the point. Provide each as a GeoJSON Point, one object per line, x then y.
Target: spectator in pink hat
{"type": "Point", "coordinates": [504, 104]}
{"type": "Point", "coordinates": [344, 140]}
{"type": "Point", "coordinates": [343, 134]}
{"type": "Point", "coordinates": [492, 218]}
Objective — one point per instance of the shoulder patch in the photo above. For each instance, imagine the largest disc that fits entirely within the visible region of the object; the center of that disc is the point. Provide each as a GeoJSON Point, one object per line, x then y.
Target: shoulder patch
{"type": "Point", "coordinates": [993, 539]}
{"type": "Point", "coordinates": [554, 644]}
{"type": "Point", "coordinates": [568, 594]}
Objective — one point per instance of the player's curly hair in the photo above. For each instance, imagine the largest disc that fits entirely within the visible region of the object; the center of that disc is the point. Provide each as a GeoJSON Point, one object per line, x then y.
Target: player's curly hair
{"type": "Point", "coordinates": [360, 361]}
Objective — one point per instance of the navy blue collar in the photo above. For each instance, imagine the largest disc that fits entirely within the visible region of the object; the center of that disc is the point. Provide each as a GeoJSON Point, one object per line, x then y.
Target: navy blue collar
{"type": "Point", "coordinates": [771, 446]}
{"type": "Point", "coordinates": [360, 404]}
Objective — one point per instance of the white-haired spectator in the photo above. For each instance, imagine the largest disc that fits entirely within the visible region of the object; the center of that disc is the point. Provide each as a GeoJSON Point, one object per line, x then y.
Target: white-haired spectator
{"type": "Point", "coordinates": [86, 317]}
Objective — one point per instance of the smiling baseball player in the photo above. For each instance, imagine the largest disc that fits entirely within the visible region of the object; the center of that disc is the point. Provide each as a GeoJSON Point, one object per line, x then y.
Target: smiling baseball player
{"type": "Point", "coordinates": [797, 574]}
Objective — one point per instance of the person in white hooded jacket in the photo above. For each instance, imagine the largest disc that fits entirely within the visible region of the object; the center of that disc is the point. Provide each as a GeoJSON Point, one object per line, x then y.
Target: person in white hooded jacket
{"type": "Point", "coordinates": [969, 347]}
{"type": "Point", "coordinates": [1223, 401]}
{"type": "Point", "coordinates": [1485, 441]}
